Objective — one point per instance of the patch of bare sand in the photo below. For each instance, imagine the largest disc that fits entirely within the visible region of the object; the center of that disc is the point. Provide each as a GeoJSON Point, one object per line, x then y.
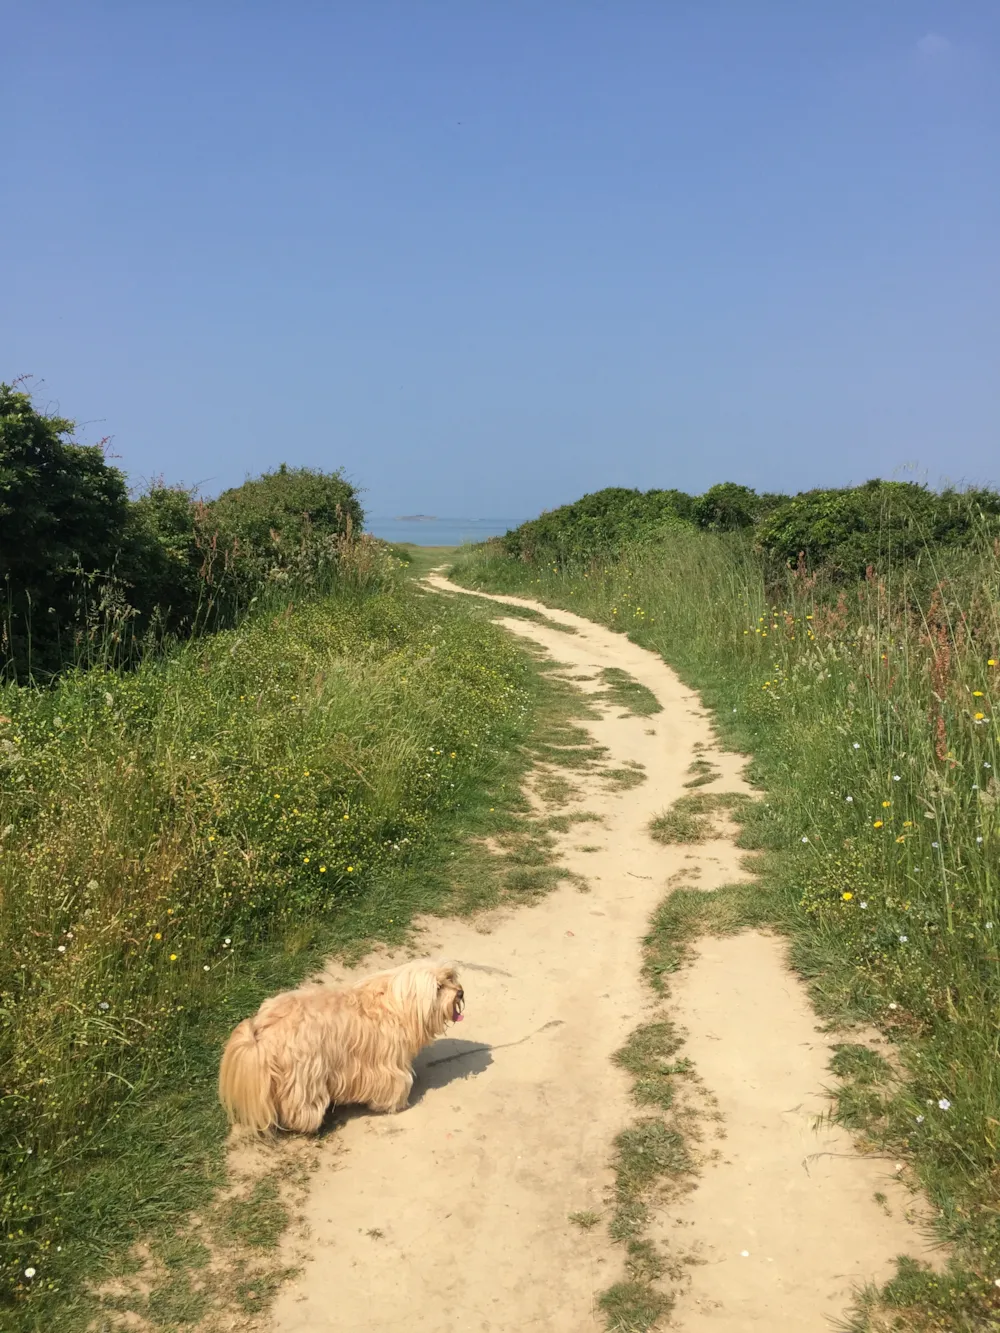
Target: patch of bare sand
{"type": "Point", "coordinates": [455, 1214]}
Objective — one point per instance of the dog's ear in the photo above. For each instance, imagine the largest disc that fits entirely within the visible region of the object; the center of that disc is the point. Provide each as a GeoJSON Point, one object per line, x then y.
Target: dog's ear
{"type": "Point", "coordinates": [447, 975]}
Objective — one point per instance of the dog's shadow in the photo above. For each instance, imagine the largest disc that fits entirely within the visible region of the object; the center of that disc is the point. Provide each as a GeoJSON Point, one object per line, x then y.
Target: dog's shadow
{"type": "Point", "coordinates": [435, 1067]}
{"type": "Point", "coordinates": [447, 1060]}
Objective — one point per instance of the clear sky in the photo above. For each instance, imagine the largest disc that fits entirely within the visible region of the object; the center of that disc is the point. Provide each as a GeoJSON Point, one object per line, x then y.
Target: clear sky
{"type": "Point", "coordinates": [488, 255]}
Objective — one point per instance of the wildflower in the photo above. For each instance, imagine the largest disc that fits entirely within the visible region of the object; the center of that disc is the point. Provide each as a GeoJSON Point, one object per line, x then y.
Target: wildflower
{"type": "Point", "coordinates": [980, 716]}
{"type": "Point", "coordinates": [944, 1104]}
{"type": "Point", "coordinates": [227, 941]}
{"type": "Point", "coordinates": [920, 1119]}
{"type": "Point", "coordinates": [61, 948]}
{"type": "Point", "coordinates": [863, 906]}
{"type": "Point", "coordinates": [158, 936]}
{"type": "Point", "coordinates": [904, 939]}
{"type": "Point", "coordinates": [979, 840]}
{"type": "Point", "coordinates": [901, 838]}
{"type": "Point", "coordinates": [893, 1005]}
{"type": "Point", "coordinates": [977, 694]}
{"type": "Point", "coordinates": [850, 799]}
{"type": "Point", "coordinates": [877, 823]}
{"type": "Point", "coordinates": [322, 870]}
{"type": "Point", "coordinates": [989, 925]}
{"type": "Point", "coordinates": [907, 823]}
{"type": "Point", "coordinates": [857, 745]}
{"type": "Point", "coordinates": [987, 765]}
{"type": "Point", "coordinates": [29, 1273]}
{"type": "Point", "coordinates": [935, 844]}
{"type": "Point", "coordinates": [173, 958]}
{"type": "Point", "coordinates": [895, 777]}
{"type": "Point", "coordinates": [805, 839]}
{"type": "Point", "coordinates": [991, 661]}
{"type": "Point", "coordinates": [205, 968]}
{"type": "Point", "coordinates": [350, 870]}
{"type": "Point", "coordinates": [305, 860]}
{"type": "Point", "coordinates": [277, 796]}
{"type": "Point", "coordinates": [847, 897]}
{"type": "Point", "coordinates": [103, 1005]}
{"type": "Point", "coordinates": [886, 804]}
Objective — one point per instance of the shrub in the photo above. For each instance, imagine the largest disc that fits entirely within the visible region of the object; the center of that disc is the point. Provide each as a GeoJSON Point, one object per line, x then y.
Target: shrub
{"type": "Point", "coordinates": [725, 507]}
{"type": "Point", "coordinates": [283, 507]}
{"type": "Point", "coordinates": [63, 510]}
{"type": "Point", "coordinates": [90, 577]}
{"type": "Point", "coordinates": [597, 524]}
{"type": "Point", "coordinates": [881, 521]}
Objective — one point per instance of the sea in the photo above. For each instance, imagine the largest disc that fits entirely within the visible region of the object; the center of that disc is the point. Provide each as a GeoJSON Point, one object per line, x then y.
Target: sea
{"type": "Point", "coordinates": [426, 530]}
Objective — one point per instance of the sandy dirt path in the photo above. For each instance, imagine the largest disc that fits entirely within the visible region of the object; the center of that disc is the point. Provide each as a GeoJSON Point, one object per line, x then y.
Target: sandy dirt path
{"type": "Point", "coordinates": [454, 1215]}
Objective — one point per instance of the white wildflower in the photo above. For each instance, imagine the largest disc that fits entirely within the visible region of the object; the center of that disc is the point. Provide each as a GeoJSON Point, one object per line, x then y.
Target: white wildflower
{"type": "Point", "coordinates": [944, 1104]}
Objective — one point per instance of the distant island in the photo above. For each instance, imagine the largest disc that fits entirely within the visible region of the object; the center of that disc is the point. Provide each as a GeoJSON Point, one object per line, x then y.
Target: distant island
{"type": "Point", "coordinates": [416, 518]}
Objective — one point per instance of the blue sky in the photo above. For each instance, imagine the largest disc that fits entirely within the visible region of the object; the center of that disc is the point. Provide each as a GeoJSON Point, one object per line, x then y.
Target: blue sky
{"type": "Point", "coordinates": [489, 256]}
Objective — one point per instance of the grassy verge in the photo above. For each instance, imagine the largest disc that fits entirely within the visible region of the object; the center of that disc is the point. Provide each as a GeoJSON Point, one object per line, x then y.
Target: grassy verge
{"type": "Point", "coordinates": [869, 712]}
{"type": "Point", "coordinates": [178, 843]}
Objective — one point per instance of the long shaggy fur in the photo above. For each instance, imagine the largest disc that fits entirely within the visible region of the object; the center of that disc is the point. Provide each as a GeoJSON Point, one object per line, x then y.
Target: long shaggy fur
{"type": "Point", "coordinates": [308, 1048]}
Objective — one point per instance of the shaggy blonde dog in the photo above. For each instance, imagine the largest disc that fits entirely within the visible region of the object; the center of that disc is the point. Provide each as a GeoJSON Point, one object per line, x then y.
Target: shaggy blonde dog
{"type": "Point", "coordinates": [308, 1048]}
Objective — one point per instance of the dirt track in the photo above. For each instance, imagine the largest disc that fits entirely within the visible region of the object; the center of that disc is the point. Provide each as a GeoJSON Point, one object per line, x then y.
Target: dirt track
{"type": "Point", "coordinates": [453, 1216]}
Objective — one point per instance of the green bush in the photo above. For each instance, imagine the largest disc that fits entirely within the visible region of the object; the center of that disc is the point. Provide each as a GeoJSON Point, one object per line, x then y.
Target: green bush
{"type": "Point", "coordinates": [725, 507]}
{"type": "Point", "coordinates": [164, 557]}
{"type": "Point", "coordinates": [876, 524]}
{"type": "Point", "coordinates": [283, 507]}
{"type": "Point", "coordinates": [91, 577]}
{"type": "Point", "coordinates": [63, 511]}
{"type": "Point", "coordinates": [597, 524]}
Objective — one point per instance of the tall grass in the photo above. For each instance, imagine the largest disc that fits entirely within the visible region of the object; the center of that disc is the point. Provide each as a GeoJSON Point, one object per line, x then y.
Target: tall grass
{"type": "Point", "coordinates": [869, 709]}
{"type": "Point", "coordinates": [166, 835]}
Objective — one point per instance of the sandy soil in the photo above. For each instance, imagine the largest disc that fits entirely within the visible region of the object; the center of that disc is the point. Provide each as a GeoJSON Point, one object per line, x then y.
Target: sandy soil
{"type": "Point", "coordinates": [454, 1215]}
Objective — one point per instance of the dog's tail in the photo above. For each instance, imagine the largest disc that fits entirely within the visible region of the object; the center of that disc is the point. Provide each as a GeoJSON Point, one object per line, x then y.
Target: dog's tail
{"type": "Point", "coordinates": [245, 1080]}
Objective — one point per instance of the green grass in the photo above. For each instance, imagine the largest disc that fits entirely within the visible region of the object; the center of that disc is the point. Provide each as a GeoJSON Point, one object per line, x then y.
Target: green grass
{"type": "Point", "coordinates": [187, 839]}
{"type": "Point", "coordinates": [626, 692]}
{"type": "Point", "coordinates": [868, 711]}
{"type": "Point", "coordinates": [702, 773]}
{"type": "Point", "coordinates": [694, 818]}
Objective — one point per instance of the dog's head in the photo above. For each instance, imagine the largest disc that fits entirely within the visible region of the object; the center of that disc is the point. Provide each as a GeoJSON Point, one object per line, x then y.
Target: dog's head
{"type": "Point", "coordinates": [451, 996]}
{"type": "Point", "coordinates": [431, 992]}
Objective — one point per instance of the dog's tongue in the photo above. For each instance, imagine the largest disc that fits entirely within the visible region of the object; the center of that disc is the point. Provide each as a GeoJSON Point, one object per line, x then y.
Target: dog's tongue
{"type": "Point", "coordinates": [457, 1018]}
